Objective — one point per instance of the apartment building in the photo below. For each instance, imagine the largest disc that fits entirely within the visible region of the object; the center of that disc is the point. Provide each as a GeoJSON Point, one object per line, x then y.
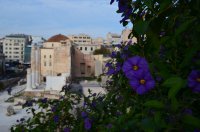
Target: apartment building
{"type": "Point", "coordinates": [80, 39]}
{"type": "Point", "coordinates": [13, 47]}
{"type": "Point", "coordinates": [125, 36]}
{"type": "Point", "coordinates": [113, 38]}
{"type": "Point", "coordinates": [98, 40]}
{"type": "Point", "coordinates": [87, 48]}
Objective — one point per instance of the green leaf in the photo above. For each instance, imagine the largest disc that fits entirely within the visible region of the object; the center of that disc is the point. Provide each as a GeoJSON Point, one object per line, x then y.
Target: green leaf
{"type": "Point", "coordinates": [154, 104]}
{"type": "Point", "coordinates": [191, 120]}
{"type": "Point", "coordinates": [149, 3]}
{"type": "Point", "coordinates": [175, 84]}
{"type": "Point", "coordinates": [141, 27]}
{"type": "Point", "coordinates": [125, 23]}
{"type": "Point", "coordinates": [164, 4]}
{"type": "Point", "coordinates": [184, 26]}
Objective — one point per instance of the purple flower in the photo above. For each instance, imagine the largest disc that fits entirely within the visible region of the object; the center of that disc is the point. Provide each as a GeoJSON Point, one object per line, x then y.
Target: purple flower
{"type": "Point", "coordinates": [187, 111]}
{"type": "Point", "coordinates": [83, 114]}
{"type": "Point", "coordinates": [44, 100]}
{"type": "Point", "coordinates": [110, 71]}
{"type": "Point", "coordinates": [87, 124]}
{"type": "Point", "coordinates": [114, 70]}
{"type": "Point", "coordinates": [94, 94]}
{"type": "Point", "coordinates": [56, 118]}
{"type": "Point", "coordinates": [109, 126]}
{"type": "Point", "coordinates": [134, 66]}
{"type": "Point", "coordinates": [66, 129]}
{"type": "Point", "coordinates": [113, 54]}
{"type": "Point", "coordinates": [53, 109]}
{"type": "Point", "coordinates": [142, 83]}
{"type": "Point", "coordinates": [118, 46]}
{"type": "Point", "coordinates": [194, 81]}
{"type": "Point", "coordinates": [129, 42]}
{"type": "Point", "coordinates": [108, 64]}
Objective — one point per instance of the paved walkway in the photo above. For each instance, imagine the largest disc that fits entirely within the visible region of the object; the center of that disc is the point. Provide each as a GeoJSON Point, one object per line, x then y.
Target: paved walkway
{"type": "Point", "coordinates": [7, 121]}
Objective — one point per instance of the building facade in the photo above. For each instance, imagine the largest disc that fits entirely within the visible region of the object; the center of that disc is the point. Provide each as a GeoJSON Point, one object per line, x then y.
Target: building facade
{"type": "Point", "coordinates": [99, 41]}
{"type": "Point", "coordinates": [125, 38]}
{"type": "Point", "coordinates": [113, 38]}
{"type": "Point", "coordinates": [58, 59]}
{"type": "Point", "coordinates": [87, 48]}
{"type": "Point", "coordinates": [14, 46]}
{"type": "Point", "coordinates": [80, 39]}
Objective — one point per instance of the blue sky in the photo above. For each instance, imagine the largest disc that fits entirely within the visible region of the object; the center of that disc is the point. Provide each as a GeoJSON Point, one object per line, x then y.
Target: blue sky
{"type": "Point", "coordinates": [50, 17]}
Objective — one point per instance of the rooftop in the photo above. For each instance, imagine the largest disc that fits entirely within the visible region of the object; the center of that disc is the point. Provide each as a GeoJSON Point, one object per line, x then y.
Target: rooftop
{"type": "Point", "coordinates": [57, 38]}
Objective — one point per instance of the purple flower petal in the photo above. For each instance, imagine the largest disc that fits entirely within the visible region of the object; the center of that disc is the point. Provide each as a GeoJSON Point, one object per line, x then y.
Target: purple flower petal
{"type": "Point", "coordinates": [87, 124]}
{"type": "Point", "coordinates": [141, 90]}
{"type": "Point", "coordinates": [134, 83]}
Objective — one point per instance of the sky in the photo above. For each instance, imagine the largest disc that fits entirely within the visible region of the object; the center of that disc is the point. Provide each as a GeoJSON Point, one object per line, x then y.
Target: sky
{"type": "Point", "coordinates": [50, 17]}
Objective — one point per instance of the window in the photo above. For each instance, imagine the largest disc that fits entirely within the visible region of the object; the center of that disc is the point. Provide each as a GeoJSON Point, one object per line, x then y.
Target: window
{"type": "Point", "coordinates": [16, 44]}
{"type": "Point", "coordinates": [49, 63]}
{"type": "Point", "coordinates": [80, 48]}
{"type": "Point", "coordinates": [52, 45]}
{"type": "Point", "coordinates": [44, 56]}
{"type": "Point", "coordinates": [85, 48]}
{"type": "Point", "coordinates": [82, 68]}
{"type": "Point", "coordinates": [91, 48]}
{"type": "Point", "coordinates": [49, 56]}
{"type": "Point", "coordinates": [88, 69]}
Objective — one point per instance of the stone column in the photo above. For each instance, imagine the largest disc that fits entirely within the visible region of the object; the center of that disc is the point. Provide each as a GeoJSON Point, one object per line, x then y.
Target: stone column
{"type": "Point", "coordinates": [28, 80]}
{"type": "Point", "coordinates": [33, 66]}
{"type": "Point", "coordinates": [38, 65]}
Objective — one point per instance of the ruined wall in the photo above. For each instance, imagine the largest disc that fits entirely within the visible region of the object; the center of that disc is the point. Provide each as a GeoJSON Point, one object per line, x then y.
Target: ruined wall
{"type": "Point", "coordinates": [83, 65]}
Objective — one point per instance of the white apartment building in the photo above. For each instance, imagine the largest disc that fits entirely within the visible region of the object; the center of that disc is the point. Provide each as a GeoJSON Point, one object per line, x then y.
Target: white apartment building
{"type": "Point", "coordinates": [80, 39]}
{"type": "Point", "coordinates": [87, 48]}
{"type": "Point", "coordinates": [113, 38]}
{"type": "Point", "coordinates": [98, 40]}
{"type": "Point", "coordinates": [13, 47]}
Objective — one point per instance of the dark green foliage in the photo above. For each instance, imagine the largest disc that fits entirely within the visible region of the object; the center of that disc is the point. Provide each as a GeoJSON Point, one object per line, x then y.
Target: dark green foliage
{"type": "Point", "coordinates": [102, 51]}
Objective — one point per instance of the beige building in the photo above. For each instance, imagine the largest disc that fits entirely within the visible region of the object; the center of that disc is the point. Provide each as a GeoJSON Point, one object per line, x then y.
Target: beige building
{"type": "Point", "coordinates": [99, 41]}
{"type": "Point", "coordinates": [125, 36]}
{"type": "Point", "coordinates": [87, 48]}
{"type": "Point", "coordinates": [80, 39]}
{"type": "Point", "coordinates": [113, 38]}
{"type": "Point", "coordinates": [58, 59]}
